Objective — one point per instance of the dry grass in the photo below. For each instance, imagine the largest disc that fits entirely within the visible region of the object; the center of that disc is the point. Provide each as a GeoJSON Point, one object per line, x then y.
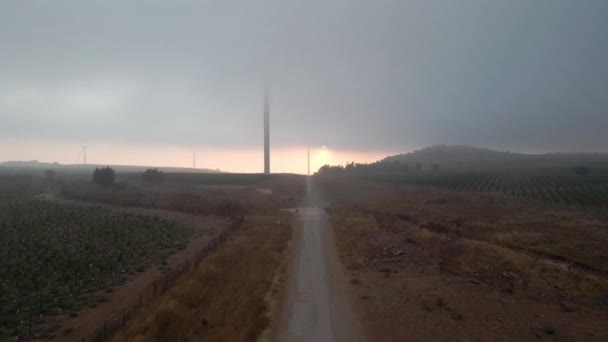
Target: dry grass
{"type": "Point", "coordinates": [225, 299]}
{"type": "Point", "coordinates": [182, 198]}
{"type": "Point", "coordinates": [502, 268]}
{"type": "Point", "coordinates": [495, 264]}
{"type": "Point", "coordinates": [281, 191]}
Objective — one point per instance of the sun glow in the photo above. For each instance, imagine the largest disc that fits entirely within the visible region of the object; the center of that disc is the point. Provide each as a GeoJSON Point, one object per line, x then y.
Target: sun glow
{"type": "Point", "coordinates": [232, 159]}
{"type": "Point", "coordinates": [324, 156]}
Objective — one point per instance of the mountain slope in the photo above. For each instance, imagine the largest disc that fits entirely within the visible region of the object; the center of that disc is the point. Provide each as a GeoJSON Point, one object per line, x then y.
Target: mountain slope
{"type": "Point", "coordinates": [470, 158]}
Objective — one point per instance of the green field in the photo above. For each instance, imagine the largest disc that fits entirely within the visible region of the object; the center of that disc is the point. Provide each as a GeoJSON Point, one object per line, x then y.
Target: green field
{"type": "Point", "coordinates": [550, 186]}
{"type": "Point", "coordinates": [56, 259]}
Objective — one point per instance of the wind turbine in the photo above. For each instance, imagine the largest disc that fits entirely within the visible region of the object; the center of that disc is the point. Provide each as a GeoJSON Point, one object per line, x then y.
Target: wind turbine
{"type": "Point", "coordinates": [194, 159]}
{"type": "Point", "coordinates": [308, 160]}
{"type": "Point", "coordinates": [83, 152]}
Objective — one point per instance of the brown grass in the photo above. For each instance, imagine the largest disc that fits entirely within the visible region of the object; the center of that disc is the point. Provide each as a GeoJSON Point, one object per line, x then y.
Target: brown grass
{"type": "Point", "coordinates": [225, 299]}
{"type": "Point", "coordinates": [508, 269]}
{"type": "Point", "coordinates": [282, 191]}
{"type": "Point", "coordinates": [502, 269]}
{"type": "Point", "coordinates": [184, 198]}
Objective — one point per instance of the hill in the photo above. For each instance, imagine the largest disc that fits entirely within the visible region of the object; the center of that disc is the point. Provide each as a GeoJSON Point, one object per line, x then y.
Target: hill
{"type": "Point", "coordinates": [471, 158]}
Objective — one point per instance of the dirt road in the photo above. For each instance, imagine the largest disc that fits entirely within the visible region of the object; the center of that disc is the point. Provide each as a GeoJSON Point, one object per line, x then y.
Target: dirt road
{"type": "Point", "coordinates": [317, 306]}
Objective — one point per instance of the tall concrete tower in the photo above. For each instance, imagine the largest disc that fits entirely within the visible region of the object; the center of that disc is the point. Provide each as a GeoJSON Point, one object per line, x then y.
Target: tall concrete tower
{"type": "Point", "coordinates": [266, 133]}
{"type": "Point", "coordinates": [309, 161]}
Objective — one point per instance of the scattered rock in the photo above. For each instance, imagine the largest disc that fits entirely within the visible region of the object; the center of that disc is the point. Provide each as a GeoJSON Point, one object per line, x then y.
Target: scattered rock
{"type": "Point", "coordinates": [566, 306]}
{"type": "Point", "coordinates": [355, 281]}
{"type": "Point", "coordinates": [509, 275]}
{"type": "Point", "coordinates": [410, 241]}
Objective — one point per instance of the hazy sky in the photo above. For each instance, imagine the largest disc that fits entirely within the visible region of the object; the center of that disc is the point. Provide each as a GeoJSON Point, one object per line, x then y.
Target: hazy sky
{"type": "Point", "coordinates": [377, 76]}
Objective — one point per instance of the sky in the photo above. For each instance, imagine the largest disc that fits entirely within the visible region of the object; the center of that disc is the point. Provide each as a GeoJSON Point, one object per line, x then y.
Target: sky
{"type": "Point", "coordinates": [149, 82]}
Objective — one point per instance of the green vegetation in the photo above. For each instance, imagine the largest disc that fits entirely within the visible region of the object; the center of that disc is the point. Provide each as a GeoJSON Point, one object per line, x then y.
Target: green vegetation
{"type": "Point", "coordinates": [153, 176]}
{"type": "Point", "coordinates": [104, 176]}
{"type": "Point", "coordinates": [50, 174]}
{"type": "Point", "coordinates": [549, 330]}
{"type": "Point", "coordinates": [55, 259]}
{"type": "Point", "coordinates": [581, 170]}
{"type": "Point", "coordinates": [551, 186]}
{"type": "Point", "coordinates": [17, 185]}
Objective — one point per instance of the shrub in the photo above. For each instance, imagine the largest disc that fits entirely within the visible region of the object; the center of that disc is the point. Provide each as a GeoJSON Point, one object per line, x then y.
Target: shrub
{"type": "Point", "coordinates": [104, 176]}
{"type": "Point", "coordinates": [50, 174]}
{"type": "Point", "coordinates": [581, 170]}
{"type": "Point", "coordinates": [153, 175]}
{"type": "Point", "coordinates": [549, 330]}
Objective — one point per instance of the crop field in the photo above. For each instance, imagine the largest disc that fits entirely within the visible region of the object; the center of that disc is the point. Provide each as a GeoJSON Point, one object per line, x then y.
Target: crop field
{"type": "Point", "coordinates": [550, 187]}
{"type": "Point", "coordinates": [16, 185]}
{"type": "Point", "coordinates": [56, 259]}
{"type": "Point", "coordinates": [209, 178]}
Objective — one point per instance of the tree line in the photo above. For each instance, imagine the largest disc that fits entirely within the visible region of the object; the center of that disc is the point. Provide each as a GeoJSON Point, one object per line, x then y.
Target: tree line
{"type": "Point", "coordinates": [106, 176]}
{"type": "Point", "coordinates": [374, 168]}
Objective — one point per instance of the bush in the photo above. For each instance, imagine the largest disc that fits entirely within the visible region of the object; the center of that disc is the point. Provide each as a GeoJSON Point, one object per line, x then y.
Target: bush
{"type": "Point", "coordinates": [104, 176]}
{"type": "Point", "coordinates": [50, 174]}
{"type": "Point", "coordinates": [153, 175]}
{"type": "Point", "coordinates": [581, 170]}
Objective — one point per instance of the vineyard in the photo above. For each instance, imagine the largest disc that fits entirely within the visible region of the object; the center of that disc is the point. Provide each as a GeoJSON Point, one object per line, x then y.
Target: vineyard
{"type": "Point", "coordinates": [57, 259]}
{"type": "Point", "coordinates": [550, 187]}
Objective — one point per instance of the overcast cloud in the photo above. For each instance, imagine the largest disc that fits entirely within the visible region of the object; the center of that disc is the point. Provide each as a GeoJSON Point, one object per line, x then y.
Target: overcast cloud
{"type": "Point", "coordinates": [349, 74]}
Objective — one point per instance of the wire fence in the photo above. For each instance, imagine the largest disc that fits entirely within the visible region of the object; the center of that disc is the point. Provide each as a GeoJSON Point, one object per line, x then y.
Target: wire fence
{"type": "Point", "coordinates": [112, 325]}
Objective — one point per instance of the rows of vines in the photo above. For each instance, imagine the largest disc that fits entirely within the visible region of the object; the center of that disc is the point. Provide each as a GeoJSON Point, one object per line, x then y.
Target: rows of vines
{"type": "Point", "coordinates": [544, 188]}
{"type": "Point", "coordinates": [569, 190]}
{"type": "Point", "coordinates": [57, 259]}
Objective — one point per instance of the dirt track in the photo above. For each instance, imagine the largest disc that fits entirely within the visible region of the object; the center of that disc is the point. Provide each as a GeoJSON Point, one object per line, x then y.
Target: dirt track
{"type": "Point", "coordinates": [317, 306]}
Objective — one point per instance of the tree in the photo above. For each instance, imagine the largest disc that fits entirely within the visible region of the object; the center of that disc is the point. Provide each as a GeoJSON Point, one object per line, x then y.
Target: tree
{"type": "Point", "coordinates": [581, 170]}
{"type": "Point", "coordinates": [153, 176]}
{"type": "Point", "coordinates": [418, 166]}
{"type": "Point", "coordinates": [435, 167]}
{"type": "Point", "coordinates": [104, 176]}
